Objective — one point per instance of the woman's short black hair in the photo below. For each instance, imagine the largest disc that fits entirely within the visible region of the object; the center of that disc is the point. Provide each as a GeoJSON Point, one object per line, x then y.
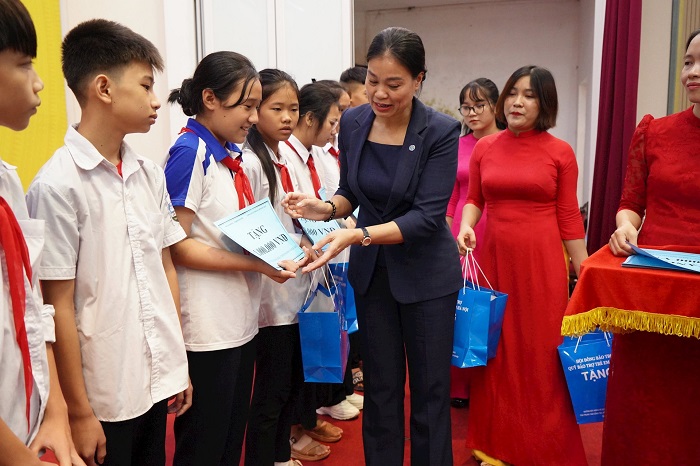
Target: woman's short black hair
{"type": "Point", "coordinates": [543, 86]}
{"type": "Point", "coordinates": [219, 71]}
{"type": "Point", "coordinates": [16, 28]}
{"type": "Point", "coordinates": [404, 45]}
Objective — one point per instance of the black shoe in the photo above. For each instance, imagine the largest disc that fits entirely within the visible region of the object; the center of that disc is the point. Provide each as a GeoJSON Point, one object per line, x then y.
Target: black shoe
{"type": "Point", "coordinates": [459, 403]}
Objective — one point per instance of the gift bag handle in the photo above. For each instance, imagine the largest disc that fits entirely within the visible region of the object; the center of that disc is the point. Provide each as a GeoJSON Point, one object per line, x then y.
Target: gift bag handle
{"type": "Point", "coordinates": [605, 335]}
{"type": "Point", "coordinates": [311, 285]}
{"type": "Point", "coordinates": [473, 266]}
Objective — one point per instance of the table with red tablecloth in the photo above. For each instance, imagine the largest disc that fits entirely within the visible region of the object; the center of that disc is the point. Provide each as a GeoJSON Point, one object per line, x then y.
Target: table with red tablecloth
{"type": "Point", "coordinates": [652, 404]}
{"type": "Point", "coordinates": [618, 298]}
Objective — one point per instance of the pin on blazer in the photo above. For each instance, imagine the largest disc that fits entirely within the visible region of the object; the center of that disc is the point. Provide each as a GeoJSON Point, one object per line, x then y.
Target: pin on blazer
{"type": "Point", "coordinates": [426, 265]}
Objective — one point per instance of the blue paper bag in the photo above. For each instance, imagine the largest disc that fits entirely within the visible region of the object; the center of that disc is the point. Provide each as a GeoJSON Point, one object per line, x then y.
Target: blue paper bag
{"type": "Point", "coordinates": [478, 321]}
{"type": "Point", "coordinates": [346, 294]}
{"type": "Point", "coordinates": [324, 337]}
{"type": "Point", "coordinates": [586, 362]}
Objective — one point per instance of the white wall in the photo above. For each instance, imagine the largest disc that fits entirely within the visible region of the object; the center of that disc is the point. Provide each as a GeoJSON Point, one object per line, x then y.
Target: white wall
{"type": "Point", "coordinates": [306, 38]}
{"type": "Point", "coordinates": [493, 39]}
{"type": "Point", "coordinates": [298, 36]}
{"type": "Point", "coordinates": [654, 58]}
{"type": "Point", "coordinates": [148, 18]}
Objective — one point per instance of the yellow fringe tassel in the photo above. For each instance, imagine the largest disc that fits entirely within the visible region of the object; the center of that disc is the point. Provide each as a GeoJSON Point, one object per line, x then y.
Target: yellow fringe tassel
{"type": "Point", "coordinates": [611, 319]}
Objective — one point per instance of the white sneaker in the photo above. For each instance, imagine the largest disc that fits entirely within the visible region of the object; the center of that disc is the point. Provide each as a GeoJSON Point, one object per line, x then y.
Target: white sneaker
{"type": "Point", "coordinates": [342, 411]}
{"type": "Point", "coordinates": [356, 400]}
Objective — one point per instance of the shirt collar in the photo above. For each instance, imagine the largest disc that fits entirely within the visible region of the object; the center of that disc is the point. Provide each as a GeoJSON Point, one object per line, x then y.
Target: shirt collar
{"type": "Point", "coordinates": [5, 167]}
{"type": "Point", "coordinates": [87, 157]}
{"type": "Point", "coordinates": [299, 148]}
{"type": "Point", "coordinates": [215, 148]}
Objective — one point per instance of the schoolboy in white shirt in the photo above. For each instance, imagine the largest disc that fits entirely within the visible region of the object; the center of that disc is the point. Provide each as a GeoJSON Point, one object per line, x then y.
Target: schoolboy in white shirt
{"type": "Point", "coordinates": [33, 414]}
{"type": "Point", "coordinates": [353, 80]}
{"type": "Point", "coordinates": [107, 267]}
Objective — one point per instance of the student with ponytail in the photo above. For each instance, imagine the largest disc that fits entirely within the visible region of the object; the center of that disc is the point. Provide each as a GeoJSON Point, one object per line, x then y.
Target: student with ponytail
{"type": "Point", "coordinates": [278, 368]}
{"type": "Point", "coordinates": [319, 115]}
{"type": "Point", "coordinates": [220, 301]}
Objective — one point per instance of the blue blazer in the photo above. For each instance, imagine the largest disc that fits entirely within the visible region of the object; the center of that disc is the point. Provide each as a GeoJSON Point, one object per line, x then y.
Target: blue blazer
{"type": "Point", "coordinates": [426, 265]}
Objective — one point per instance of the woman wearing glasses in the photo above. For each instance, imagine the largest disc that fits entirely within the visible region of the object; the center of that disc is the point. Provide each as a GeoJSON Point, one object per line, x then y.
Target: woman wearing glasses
{"type": "Point", "coordinates": [477, 107]}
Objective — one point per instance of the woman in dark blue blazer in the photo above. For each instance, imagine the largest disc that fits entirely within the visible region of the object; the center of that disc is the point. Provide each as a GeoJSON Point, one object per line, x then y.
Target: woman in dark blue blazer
{"type": "Point", "coordinates": [398, 163]}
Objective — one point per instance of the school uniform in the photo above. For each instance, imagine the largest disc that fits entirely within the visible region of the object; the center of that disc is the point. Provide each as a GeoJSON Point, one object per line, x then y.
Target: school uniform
{"type": "Point", "coordinates": [328, 158]}
{"type": "Point", "coordinates": [328, 167]}
{"type": "Point", "coordinates": [279, 374]}
{"type": "Point", "coordinates": [296, 155]}
{"type": "Point", "coordinates": [107, 233]}
{"type": "Point", "coordinates": [38, 323]}
{"type": "Point", "coordinates": [313, 395]}
{"type": "Point", "coordinates": [219, 308]}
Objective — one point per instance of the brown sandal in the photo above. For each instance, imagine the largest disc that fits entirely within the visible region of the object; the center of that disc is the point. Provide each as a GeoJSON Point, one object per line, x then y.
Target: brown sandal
{"type": "Point", "coordinates": [313, 451]}
{"type": "Point", "coordinates": [325, 432]}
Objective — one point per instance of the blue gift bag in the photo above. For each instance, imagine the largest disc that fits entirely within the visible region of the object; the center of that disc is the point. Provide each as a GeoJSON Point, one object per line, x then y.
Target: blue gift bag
{"type": "Point", "coordinates": [324, 336]}
{"type": "Point", "coordinates": [586, 362]}
{"type": "Point", "coordinates": [478, 320]}
{"type": "Point", "coordinates": [346, 294]}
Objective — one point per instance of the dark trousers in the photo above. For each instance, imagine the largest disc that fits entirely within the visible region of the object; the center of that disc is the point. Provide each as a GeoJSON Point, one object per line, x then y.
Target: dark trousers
{"type": "Point", "coordinates": [393, 333]}
{"type": "Point", "coordinates": [348, 386]}
{"type": "Point", "coordinates": [355, 351]}
{"type": "Point", "coordinates": [211, 432]}
{"type": "Point", "coordinates": [139, 441]}
{"type": "Point", "coordinates": [278, 381]}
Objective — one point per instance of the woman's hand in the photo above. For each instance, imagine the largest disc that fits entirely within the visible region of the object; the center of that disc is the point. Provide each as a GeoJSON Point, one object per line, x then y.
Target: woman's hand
{"type": "Point", "coordinates": [302, 205]}
{"type": "Point", "coordinates": [466, 239]}
{"type": "Point", "coordinates": [289, 268]}
{"type": "Point", "coordinates": [625, 233]}
{"type": "Point", "coordinates": [336, 240]}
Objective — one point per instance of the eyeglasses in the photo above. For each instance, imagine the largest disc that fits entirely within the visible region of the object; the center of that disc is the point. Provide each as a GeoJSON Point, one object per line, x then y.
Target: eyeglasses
{"type": "Point", "coordinates": [465, 110]}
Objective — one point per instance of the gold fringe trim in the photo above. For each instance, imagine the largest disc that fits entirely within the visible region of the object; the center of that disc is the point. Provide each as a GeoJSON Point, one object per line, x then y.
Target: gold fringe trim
{"type": "Point", "coordinates": [615, 320]}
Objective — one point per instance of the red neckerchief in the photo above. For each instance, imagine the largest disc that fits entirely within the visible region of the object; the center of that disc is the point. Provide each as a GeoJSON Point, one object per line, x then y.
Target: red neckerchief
{"type": "Point", "coordinates": [18, 264]}
{"type": "Point", "coordinates": [334, 152]}
{"type": "Point", "coordinates": [315, 180]}
{"type": "Point", "coordinates": [286, 179]}
{"type": "Point", "coordinates": [240, 180]}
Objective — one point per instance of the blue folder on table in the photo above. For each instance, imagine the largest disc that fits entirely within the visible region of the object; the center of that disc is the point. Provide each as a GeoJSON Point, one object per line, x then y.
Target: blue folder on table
{"type": "Point", "coordinates": [661, 259]}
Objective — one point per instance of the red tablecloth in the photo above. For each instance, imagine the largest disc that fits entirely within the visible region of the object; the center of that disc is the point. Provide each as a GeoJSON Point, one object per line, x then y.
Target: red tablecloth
{"type": "Point", "coordinates": [617, 298]}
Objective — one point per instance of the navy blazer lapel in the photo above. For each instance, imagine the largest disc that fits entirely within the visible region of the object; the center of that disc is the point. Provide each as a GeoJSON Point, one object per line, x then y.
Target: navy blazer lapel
{"type": "Point", "coordinates": [411, 152]}
{"type": "Point", "coordinates": [359, 135]}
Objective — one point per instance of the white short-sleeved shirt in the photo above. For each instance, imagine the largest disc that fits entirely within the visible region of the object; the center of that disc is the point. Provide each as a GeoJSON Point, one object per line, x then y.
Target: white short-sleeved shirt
{"type": "Point", "coordinates": [280, 302]}
{"type": "Point", "coordinates": [38, 321]}
{"type": "Point", "coordinates": [219, 308]}
{"type": "Point", "coordinates": [298, 158]}
{"type": "Point", "coordinates": [328, 166]}
{"type": "Point", "coordinates": [107, 232]}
